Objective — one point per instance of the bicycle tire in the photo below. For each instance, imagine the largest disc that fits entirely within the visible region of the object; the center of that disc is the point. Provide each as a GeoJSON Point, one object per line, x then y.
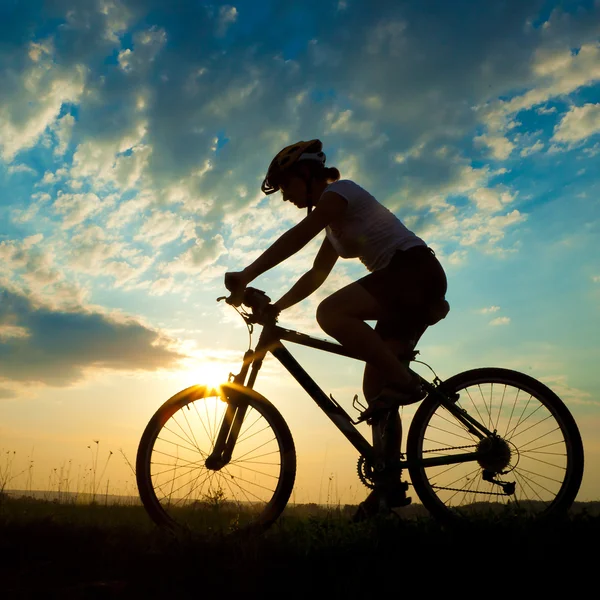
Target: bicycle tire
{"type": "Point", "coordinates": [245, 496]}
{"type": "Point", "coordinates": [546, 453]}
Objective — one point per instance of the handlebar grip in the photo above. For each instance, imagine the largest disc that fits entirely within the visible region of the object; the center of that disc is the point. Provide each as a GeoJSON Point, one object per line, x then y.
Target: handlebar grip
{"type": "Point", "coordinates": [236, 298]}
{"type": "Point", "coordinates": [237, 292]}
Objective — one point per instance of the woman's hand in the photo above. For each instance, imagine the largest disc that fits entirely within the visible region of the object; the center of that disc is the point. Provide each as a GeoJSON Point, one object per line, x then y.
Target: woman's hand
{"type": "Point", "coordinates": [236, 282]}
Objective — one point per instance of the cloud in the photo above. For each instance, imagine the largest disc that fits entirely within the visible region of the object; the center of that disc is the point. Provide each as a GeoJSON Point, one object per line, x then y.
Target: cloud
{"type": "Point", "coordinates": [125, 272]}
{"type": "Point", "coordinates": [147, 45]}
{"type": "Point", "coordinates": [500, 147]}
{"type": "Point", "coordinates": [6, 393]}
{"type": "Point", "coordinates": [479, 229]}
{"type": "Point", "coordinates": [21, 169]}
{"type": "Point", "coordinates": [532, 149]}
{"type": "Point", "coordinates": [342, 122]}
{"type": "Point", "coordinates": [89, 249]}
{"type": "Point", "coordinates": [29, 268]}
{"type": "Point", "coordinates": [489, 309]}
{"type": "Point", "coordinates": [569, 394]}
{"type": "Point", "coordinates": [500, 321]}
{"type": "Point", "coordinates": [555, 71]}
{"type": "Point", "coordinates": [227, 16]}
{"type": "Point", "coordinates": [76, 208]}
{"type": "Point", "coordinates": [176, 119]}
{"type": "Point", "coordinates": [63, 129]}
{"type": "Point", "coordinates": [58, 347]}
{"type": "Point", "coordinates": [579, 123]}
{"type": "Point", "coordinates": [449, 226]}
{"type": "Point", "coordinates": [162, 227]}
{"type": "Point", "coordinates": [31, 100]}
{"type": "Point", "coordinates": [202, 255]}
{"type": "Point", "coordinates": [492, 199]}
{"type": "Point", "coordinates": [8, 331]}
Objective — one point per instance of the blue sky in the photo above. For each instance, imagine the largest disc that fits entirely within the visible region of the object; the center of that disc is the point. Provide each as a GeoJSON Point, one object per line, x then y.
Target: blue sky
{"type": "Point", "coordinates": [133, 139]}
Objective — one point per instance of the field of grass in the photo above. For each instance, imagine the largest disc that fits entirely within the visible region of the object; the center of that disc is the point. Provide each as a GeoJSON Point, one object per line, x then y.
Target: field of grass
{"type": "Point", "coordinates": [49, 549]}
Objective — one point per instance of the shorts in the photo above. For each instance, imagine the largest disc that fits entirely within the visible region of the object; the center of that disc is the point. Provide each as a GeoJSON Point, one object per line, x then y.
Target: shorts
{"type": "Point", "coordinates": [406, 287]}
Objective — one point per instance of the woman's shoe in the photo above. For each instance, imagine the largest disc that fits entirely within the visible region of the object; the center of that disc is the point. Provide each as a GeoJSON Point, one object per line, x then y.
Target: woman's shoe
{"type": "Point", "coordinates": [390, 398]}
{"type": "Point", "coordinates": [381, 500]}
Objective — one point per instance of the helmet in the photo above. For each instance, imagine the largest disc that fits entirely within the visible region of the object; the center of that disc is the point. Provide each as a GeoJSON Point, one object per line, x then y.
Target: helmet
{"type": "Point", "coordinates": [311, 150]}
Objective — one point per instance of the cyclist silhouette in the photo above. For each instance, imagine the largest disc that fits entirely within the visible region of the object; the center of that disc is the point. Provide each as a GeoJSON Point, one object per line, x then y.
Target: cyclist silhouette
{"type": "Point", "coordinates": [404, 291]}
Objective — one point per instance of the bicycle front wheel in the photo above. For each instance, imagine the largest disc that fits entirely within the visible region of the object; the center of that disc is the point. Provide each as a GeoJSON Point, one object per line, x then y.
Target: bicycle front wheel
{"type": "Point", "coordinates": [532, 465]}
{"type": "Point", "coordinates": [246, 494]}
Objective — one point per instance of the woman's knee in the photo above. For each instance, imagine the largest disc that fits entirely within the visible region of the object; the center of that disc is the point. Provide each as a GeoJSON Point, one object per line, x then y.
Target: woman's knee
{"type": "Point", "coordinates": [325, 313]}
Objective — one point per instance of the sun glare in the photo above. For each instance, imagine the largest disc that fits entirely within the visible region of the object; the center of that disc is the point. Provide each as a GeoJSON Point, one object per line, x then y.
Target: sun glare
{"type": "Point", "coordinates": [210, 374]}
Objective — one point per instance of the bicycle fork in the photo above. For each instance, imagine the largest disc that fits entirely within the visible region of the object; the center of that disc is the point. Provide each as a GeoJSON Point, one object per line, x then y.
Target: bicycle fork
{"type": "Point", "coordinates": [233, 418]}
{"type": "Point", "coordinates": [227, 437]}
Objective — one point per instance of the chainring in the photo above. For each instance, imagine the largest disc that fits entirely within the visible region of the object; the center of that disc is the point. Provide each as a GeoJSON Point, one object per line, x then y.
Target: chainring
{"type": "Point", "coordinates": [365, 473]}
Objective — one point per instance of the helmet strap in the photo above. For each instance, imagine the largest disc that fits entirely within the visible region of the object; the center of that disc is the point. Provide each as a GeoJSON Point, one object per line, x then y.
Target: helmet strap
{"type": "Point", "coordinates": [309, 197]}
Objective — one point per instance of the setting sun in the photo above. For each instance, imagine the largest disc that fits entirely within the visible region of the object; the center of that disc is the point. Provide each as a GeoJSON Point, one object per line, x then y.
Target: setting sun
{"type": "Point", "coordinates": [210, 374]}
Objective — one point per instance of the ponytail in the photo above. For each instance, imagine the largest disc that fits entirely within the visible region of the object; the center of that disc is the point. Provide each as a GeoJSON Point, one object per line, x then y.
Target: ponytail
{"type": "Point", "coordinates": [330, 174]}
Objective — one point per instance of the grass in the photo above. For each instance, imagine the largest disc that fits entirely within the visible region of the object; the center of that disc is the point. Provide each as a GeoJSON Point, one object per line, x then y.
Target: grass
{"type": "Point", "coordinates": [48, 549]}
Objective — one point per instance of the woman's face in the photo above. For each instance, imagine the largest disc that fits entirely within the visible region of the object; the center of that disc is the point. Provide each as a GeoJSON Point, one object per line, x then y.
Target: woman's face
{"type": "Point", "coordinates": [293, 188]}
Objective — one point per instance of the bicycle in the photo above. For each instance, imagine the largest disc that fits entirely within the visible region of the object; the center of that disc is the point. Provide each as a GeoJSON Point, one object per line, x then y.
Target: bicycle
{"type": "Point", "coordinates": [223, 460]}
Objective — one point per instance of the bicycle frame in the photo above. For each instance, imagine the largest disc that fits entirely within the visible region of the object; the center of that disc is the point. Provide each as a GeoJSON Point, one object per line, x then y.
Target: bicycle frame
{"type": "Point", "coordinates": [270, 340]}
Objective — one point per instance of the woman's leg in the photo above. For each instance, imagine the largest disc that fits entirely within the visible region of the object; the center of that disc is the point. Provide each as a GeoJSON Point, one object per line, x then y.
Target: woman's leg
{"type": "Point", "coordinates": [343, 314]}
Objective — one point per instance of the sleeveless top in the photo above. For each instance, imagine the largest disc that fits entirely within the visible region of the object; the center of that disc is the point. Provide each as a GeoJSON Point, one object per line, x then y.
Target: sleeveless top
{"type": "Point", "coordinates": [367, 230]}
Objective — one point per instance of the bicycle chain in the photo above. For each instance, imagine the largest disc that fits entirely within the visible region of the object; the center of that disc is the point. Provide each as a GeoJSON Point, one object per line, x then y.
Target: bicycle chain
{"type": "Point", "coordinates": [452, 448]}
{"type": "Point", "coordinates": [438, 487]}
{"type": "Point", "coordinates": [369, 485]}
{"type": "Point", "coordinates": [363, 466]}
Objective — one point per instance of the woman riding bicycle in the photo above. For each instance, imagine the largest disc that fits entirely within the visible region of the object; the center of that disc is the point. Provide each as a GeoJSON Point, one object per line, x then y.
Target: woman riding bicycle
{"type": "Point", "coordinates": [405, 287]}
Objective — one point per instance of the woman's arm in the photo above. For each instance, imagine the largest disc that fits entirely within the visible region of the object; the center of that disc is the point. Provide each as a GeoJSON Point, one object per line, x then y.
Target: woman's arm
{"type": "Point", "coordinates": [330, 207]}
{"type": "Point", "coordinates": [313, 279]}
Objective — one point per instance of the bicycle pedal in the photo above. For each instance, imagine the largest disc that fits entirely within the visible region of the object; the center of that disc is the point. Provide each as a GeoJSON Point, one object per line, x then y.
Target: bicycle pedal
{"type": "Point", "coordinates": [373, 414]}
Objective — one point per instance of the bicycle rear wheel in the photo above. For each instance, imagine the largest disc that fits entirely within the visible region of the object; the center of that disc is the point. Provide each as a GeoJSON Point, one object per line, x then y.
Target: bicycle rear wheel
{"type": "Point", "coordinates": [247, 494]}
{"type": "Point", "coordinates": [537, 449]}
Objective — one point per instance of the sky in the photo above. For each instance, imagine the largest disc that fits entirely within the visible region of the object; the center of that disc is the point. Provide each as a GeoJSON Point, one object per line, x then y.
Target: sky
{"type": "Point", "coordinates": [134, 135]}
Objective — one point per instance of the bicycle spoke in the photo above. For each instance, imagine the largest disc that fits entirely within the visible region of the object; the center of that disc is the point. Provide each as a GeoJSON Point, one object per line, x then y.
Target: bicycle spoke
{"type": "Point", "coordinates": [530, 449]}
{"type": "Point", "coordinates": [259, 472]}
{"type": "Point", "coordinates": [196, 445]}
{"type": "Point", "coordinates": [514, 430]}
{"type": "Point", "coordinates": [488, 410]}
{"type": "Point", "coordinates": [186, 438]}
{"type": "Point", "coordinates": [248, 428]}
{"type": "Point", "coordinates": [500, 408]}
{"type": "Point", "coordinates": [545, 462]}
{"type": "Point", "coordinates": [236, 479]}
{"type": "Point", "coordinates": [512, 412]}
{"type": "Point", "coordinates": [265, 428]}
{"type": "Point", "coordinates": [201, 421]}
{"type": "Point", "coordinates": [191, 448]}
{"type": "Point", "coordinates": [528, 481]}
{"type": "Point", "coordinates": [270, 453]}
{"type": "Point", "coordinates": [540, 437]}
{"type": "Point", "coordinates": [223, 496]}
{"type": "Point", "coordinates": [250, 451]}
{"type": "Point", "coordinates": [172, 481]}
{"type": "Point", "coordinates": [462, 437]}
{"type": "Point", "coordinates": [177, 466]}
{"type": "Point", "coordinates": [521, 470]}
{"type": "Point", "coordinates": [519, 420]}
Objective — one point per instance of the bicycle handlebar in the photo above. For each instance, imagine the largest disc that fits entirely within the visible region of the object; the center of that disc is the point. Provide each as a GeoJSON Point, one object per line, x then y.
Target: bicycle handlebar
{"type": "Point", "coordinates": [257, 301]}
